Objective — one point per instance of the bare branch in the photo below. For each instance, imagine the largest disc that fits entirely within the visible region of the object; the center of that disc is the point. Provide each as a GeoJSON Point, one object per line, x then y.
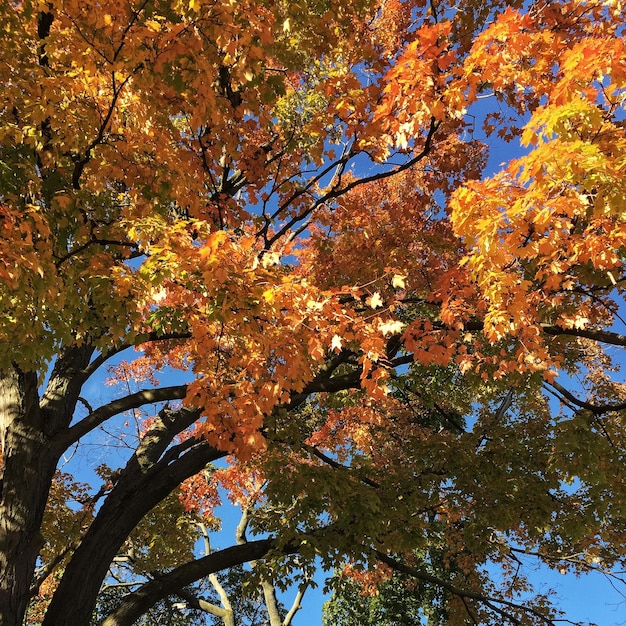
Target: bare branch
{"type": "Point", "coordinates": [297, 604]}
{"type": "Point", "coordinates": [132, 401]}
{"type": "Point", "coordinates": [596, 409]}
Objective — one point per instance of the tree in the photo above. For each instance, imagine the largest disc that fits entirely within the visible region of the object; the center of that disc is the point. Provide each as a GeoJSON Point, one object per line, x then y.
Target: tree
{"type": "Point", "coordinates": [392, 604]}
{"type": "Point", "coordinates": [285, 202]}
{"type": "Point", "coordinates": [377, 598]}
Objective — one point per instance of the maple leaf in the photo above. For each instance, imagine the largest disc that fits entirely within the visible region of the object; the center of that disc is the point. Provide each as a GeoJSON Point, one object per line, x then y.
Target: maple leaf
{"type": "Point", "coordinates": [398, 281]}
{"type": "Point", "coordinates": [374, 301]}
{"type": "Point", "coordinates": [336, 343]}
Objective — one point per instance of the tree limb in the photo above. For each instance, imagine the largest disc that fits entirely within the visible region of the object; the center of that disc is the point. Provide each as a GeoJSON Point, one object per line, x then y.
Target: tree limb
{"type": "Point", "coordinates": [103, 413]}
{"type": "Point", "coordinates": [604, 336]}
{"type": "Point", "coordinates": [297, 604]}
{"type": "Point", "coordinates": [101, 359]}
{"type": "Point", "coordinates": [198, 603]}
{"type": "Point", "coordinates": [489, 601]}
{"type": "Point", "coordinates": [596, 409]}
{"type": "Point", "coordinates": [138, 602]}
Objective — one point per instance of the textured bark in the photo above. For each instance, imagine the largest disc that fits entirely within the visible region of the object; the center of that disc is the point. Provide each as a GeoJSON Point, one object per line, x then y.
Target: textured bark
{"type": "Point", "coordinates": [28, 467]}
{"type": "Point", "coordinates": [28, 428]}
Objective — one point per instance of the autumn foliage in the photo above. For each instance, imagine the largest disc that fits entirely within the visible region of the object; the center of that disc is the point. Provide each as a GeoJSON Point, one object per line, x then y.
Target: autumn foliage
{"type": "Point", "coordinates": [370, 251]}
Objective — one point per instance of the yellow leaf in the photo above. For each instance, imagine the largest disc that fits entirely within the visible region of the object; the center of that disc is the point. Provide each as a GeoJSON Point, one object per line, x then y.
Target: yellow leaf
{"type": "Point", "coordinates": [336, 342]}
{"type": "Point", "coordinates": [374, 301]}
{"type": "Point", "coordinates": [398, 281]}
{"type": "Point", "coordinates": [391, 328]}
{"type": "Point", "coordinates": [271, 258]}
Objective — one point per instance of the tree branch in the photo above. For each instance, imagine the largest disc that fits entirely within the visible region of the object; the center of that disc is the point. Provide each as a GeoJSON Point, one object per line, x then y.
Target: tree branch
{"type": "Point", "coordinates": [198, 603]}
{"type": "Point", "coordinates": [337, 192]}
{"type": "Point", "coordinates": [137, 603]}
{"type": "Point", "coordinates": [132, 401]}
{"type": "Point", "coordinates": [297, 604]}
{"type": "Point", "coordinates": [226, 610]}
{"type": "Point", "coordinates": [596, 409]}
{"type": "Point", "coordinates": [604, 336]}
{"type": "Point", "coordinates": [101, 359]}
{"type": "Point", "coordinates": [144, 482]}
{"type": "Point", "coordinates": [489, 601]}
{"type": "Point", "coordinates": [338, 466]}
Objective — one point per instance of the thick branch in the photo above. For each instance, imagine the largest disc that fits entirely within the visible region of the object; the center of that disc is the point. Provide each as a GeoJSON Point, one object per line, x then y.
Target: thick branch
{"type": "Point", "coordinates": [132, 401]}
{"type": "Point", "coordinates": [604, 336]}
{"type": "Point", "coordinates": [59, 399]}
{"type": "Point", "coordinates": [149, 476]}
{"type": "Point", "coordinates": [137, 603]}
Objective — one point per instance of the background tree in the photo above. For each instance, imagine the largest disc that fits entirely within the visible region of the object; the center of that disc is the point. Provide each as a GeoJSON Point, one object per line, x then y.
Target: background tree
{"type": "Point", "coordinates": [285, 203]}
{"type": "Point", "coordinates": [392, 604]}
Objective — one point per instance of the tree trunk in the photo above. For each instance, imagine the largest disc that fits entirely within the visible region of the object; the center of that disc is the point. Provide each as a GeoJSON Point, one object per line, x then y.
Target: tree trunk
{"type": "Point", "coordinates": [28, 468]}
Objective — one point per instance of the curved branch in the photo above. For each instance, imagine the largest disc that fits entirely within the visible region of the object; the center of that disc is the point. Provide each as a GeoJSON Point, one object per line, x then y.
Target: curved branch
{"type": "Point", "coordinates": [101, 359]}
{"type": "Point", "coordinates": [148, 477]}
{"type": "Point", "coordinates": [137, 603]}
{"type": "Point", "coordinates": [596, 409]}
{"type": "Point", "coordinates": [132, 401]}
{"type": "Point", "coordinates": [604, 336]}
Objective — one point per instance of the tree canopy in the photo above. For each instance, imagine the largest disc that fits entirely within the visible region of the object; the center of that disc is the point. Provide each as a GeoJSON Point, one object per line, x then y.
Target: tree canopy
{"type": "Point", "coordinates": [397, 357]}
